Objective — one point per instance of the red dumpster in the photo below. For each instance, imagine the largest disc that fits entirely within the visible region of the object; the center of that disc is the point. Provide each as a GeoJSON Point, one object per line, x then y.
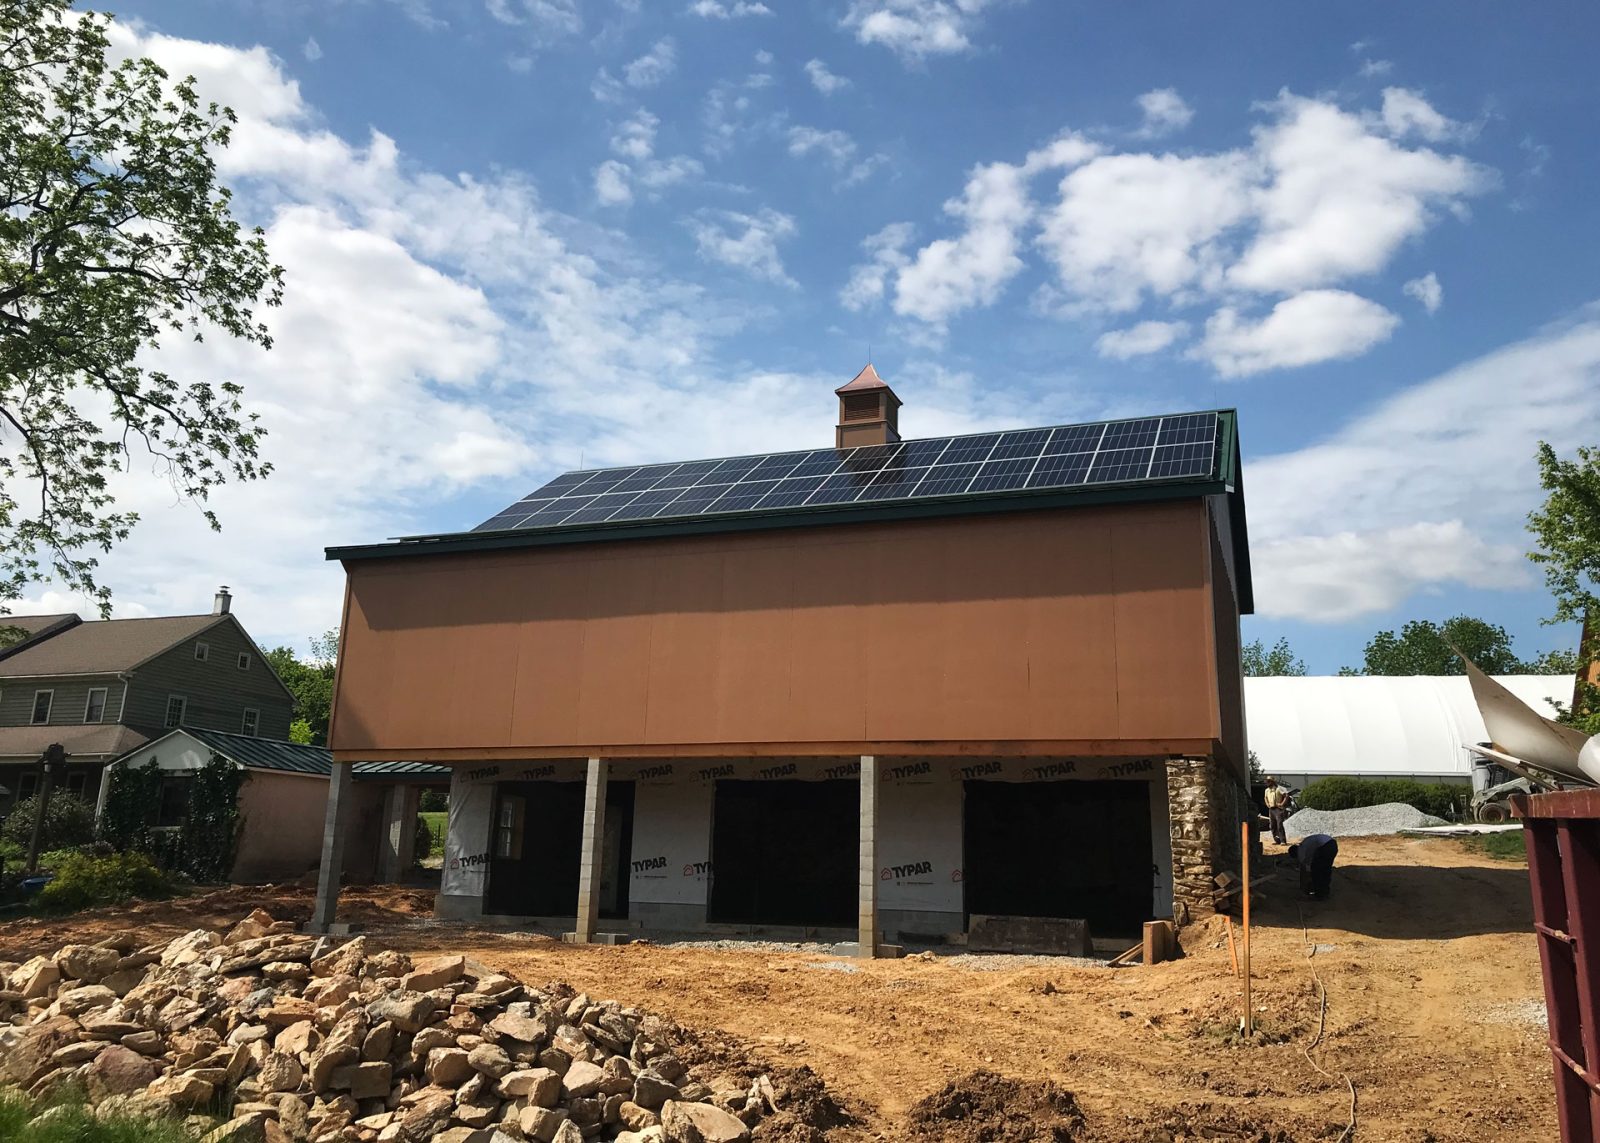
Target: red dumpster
{"type": "Point", "coordinates": [1562, 833]}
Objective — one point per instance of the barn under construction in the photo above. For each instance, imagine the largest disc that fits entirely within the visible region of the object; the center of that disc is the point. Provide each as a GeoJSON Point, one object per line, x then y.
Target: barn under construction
{"type": "Point", "coordinates": [886, 686]}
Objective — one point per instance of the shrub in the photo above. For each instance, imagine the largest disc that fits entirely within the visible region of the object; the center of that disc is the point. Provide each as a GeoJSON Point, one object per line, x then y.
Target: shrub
{"type": "Point", "coordinates": [84, 880]}
{"type": "Point", "coordinates": [75, 1123]}
{"type": "Point", "coordinates": [68, 821]}
{"type": "Point", "coordinates": [433, 801]}
{"type": "Point", "coordinates": [1440, 799]}
{"type": "Point", "coordinates": [422, 844]}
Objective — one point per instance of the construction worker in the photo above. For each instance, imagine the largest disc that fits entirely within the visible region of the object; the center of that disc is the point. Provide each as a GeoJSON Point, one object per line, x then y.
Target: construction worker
{"type": "Point", "coordinates": [1315, 856]}
{"type": "Point", "coordinates": [1277, 800]}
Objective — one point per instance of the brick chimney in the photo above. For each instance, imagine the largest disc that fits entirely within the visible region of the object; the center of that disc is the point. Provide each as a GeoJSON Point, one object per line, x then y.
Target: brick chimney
{"type": "Point", "coordinates": [869, 412]}
{"type": "Point", "coordinates": [222, 602]}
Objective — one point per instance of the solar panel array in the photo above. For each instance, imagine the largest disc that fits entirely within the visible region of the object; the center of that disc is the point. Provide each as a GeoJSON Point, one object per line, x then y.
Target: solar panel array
{"type": "Point", "coordinates": [1066, 456]}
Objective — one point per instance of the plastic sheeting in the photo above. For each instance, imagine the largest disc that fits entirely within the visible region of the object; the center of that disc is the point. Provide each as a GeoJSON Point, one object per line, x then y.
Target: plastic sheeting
{"type": "Point", "coordinates": [919, 818]}
{"type": "Point", "coordinates": [1401, 725]}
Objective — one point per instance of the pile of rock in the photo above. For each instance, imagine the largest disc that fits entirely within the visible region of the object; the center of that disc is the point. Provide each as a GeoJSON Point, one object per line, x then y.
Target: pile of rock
{"type": "Point", "coordinates": [297, 1040]}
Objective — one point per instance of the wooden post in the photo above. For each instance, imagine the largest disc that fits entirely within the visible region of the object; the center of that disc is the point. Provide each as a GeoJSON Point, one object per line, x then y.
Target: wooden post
{"type": "Point", "coordinates": [1249, 1018]}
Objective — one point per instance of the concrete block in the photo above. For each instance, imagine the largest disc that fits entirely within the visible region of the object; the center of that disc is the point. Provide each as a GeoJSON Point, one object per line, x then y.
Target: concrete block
{"type": "Point", "coordinates": [1060, 936]}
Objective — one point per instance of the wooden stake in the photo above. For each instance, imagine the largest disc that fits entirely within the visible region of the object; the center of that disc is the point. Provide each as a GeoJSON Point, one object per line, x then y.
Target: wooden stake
{"type": "Point", "coordinates": [1233, 953]}
{"type": "Point", "coordinates": [1249, 1018]}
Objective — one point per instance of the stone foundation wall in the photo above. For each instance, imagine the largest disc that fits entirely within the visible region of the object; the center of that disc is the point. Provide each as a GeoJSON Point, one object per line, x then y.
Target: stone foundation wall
{"type": "Point", "coordinates": [1205, 802]}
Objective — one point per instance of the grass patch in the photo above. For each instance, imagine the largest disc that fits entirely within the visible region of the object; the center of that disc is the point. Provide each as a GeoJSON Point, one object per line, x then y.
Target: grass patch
{"type": "Point", "coordinates": [437, 820]}
{"type": "Point", "coordinates": [1504, 845]}
{"type": "Point", "coordinates": [75, 1123]}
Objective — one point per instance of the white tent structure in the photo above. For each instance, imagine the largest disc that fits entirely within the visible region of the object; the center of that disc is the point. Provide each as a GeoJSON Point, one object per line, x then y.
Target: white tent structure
{"type": "Point", "coordinates": [1408, 726]}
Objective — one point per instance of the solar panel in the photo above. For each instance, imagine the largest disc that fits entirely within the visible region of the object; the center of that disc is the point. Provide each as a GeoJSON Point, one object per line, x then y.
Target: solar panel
{"type": "Point", "coordinates": [1182, 447]}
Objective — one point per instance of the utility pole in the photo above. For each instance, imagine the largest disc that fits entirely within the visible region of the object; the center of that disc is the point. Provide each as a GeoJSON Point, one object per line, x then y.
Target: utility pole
{"type": "Point", "coordinates": [54, 755]}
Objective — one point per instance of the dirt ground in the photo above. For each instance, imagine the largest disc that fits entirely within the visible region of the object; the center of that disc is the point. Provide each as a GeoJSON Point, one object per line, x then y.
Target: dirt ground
{"type": "Point", "coordinates": [1434, 1012]}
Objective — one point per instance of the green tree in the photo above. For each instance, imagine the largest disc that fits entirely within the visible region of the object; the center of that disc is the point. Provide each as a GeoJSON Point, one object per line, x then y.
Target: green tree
{"type": "Point", "coordinates": [1567, 528]}
{"type": "Point", "coordinates": [1259, 659]}
{"type": "Point", "coordinates": [114, 234]}
{"type": "Point", "coordinates": [310, 680]}
{"type": "Point", "coordinates": [1423, 648]}
{"type": "Point", "coordinates": [1557, 662]}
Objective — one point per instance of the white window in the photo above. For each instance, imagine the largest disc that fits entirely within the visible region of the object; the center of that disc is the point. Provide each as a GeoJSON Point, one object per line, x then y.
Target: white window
{"type": "Point", "coordinates": [41, 706]}
{"type": "Point", "coordinates": [177, 706]}
{"type": "Point", "coordinates": [252, 719]}
{"type": "Point", "coordinates": [202, 652]}
{"type": "Point", "coordinates": [244, 660]}
{"type": "Point", "coordinates": [95, 709]}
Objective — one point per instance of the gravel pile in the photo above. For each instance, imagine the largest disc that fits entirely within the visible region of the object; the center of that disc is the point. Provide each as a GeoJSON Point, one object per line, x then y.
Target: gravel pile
{"type": "Point", "coordinates": [303, 1041]}
{"type": "Point", "coordinates": [1366, 821]}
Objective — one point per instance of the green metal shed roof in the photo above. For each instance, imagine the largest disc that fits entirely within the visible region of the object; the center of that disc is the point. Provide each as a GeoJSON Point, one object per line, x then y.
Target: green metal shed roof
{"type": "Point", "coordinates": [294, 758]}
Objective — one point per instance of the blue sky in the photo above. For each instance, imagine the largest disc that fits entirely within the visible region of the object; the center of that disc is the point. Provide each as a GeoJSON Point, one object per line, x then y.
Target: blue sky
{"type": "Point", "coordinates": [525, 234]}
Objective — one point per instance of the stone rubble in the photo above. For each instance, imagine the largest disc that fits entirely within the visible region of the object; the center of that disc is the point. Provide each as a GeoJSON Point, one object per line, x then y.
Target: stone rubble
{"type": "Point", "coordinates": [299, 1040]}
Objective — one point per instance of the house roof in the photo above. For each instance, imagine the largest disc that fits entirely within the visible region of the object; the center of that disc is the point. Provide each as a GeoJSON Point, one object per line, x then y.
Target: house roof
{"type": "Point", "coordinates": [296, 758]}
{"type": "Point", "coordinates": [33, 624]}
{"type": "Point", "coordinates": [103, 646]}
{"type": "Point", "coordinates": [1184, 455]}
{"type": "Point", "coordinates": [101, 740]}
{"type": "Point", "coordinates": [867, 379]}
{"type": "Point", "coordinates": [34, 628]}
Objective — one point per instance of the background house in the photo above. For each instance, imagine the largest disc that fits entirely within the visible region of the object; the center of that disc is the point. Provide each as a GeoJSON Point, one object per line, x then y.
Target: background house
{"type": "Point", "coordinates": [887, 685]}
{"type": "Point", "coordinates": [103, 687]}
{"type": "Point", "coordinates": [283, 802]}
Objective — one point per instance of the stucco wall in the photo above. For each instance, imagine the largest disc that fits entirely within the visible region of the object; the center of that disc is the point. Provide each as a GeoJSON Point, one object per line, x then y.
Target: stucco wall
{"type": "Point", "coordinates": [281, 833]}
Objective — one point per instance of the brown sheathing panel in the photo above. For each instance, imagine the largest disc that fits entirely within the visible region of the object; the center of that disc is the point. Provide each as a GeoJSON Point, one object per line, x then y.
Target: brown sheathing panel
{"type": "Point", "coordinates": [1227, 659]}
{"type": "Point", "coordinates": [619, 751]}
{"type": "Point", "coordinates": [1087, 629]}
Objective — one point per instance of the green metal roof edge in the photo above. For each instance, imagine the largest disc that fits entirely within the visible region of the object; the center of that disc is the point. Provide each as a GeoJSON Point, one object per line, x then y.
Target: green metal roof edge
{"type": "Point", "coordinates": [1228, 447]}
{"type": "Point", "coordinates": [965, 505]}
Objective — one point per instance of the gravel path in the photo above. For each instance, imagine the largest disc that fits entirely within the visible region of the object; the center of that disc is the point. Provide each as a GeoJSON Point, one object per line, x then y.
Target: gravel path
{"type": "Point", "coordinates": [1367, 821]}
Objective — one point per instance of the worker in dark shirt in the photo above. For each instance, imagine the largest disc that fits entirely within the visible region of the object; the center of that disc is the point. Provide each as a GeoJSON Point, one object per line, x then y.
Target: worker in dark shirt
{"type": "Point", "coordinates": [1315, 856]}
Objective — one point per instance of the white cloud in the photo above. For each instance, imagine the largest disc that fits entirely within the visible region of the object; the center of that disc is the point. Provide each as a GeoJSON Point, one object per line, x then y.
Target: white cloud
{"type": "Point", "coordinates": [1139, 340]}
{"type": "Point", "coordinates": [1340, 200]}
{"type": "Point", "coordinates": [311, 49]}
{"type": "Point", "coordinates": [747, 242]}
{"type": "Point", "coordinates": [835, 146]}
{"type": "Point", "coordinates": [611, 184]}
{"type": "Point", "coordinates": [634, 141]}
{"type": "Point", "coordinates": [1308, 328]}
{"type": "Point", "coordinates": [545, 20]}
{"type": "Point", "coordinates": [636, 138]}
{"type": "Point", "coordinates": [1373, 68]}
{"type": "Point", "coordinates": [654, 66]}
{"type": "Point", "coordinates": [1428, 490]}
{"type": "Point", "coordinates": [607, 88]}
{"type": "Point", "coordinates": [763, 57]}
{"type": "Point", "coordinates": [720, 10]}
{"type": "Point", "coordinates": [1334, 578]}
{"type": "Point", "coordinates": [868, 281]}
{"type": "Point", "coordinates": [1321, 197]}
{"type": "Point", "coordinates": [1128, 226]}
{"type": "Point", "coordinates": [436, 356]}
{"type": "Point", "coordinates": [1164, 112]}
{"type": "Point", "coordinates": [916, 29]}
{"type": "Point", "coordinates": [1405, 113]}
{"type": "Point", "coordinates": [824, 80]}
{"type": "Point", "coordinates": [953, 274]}
{"type": "Point", "coordinates": [659, 173]}
{"type": "Point", "coordinates": [1426, 290]}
